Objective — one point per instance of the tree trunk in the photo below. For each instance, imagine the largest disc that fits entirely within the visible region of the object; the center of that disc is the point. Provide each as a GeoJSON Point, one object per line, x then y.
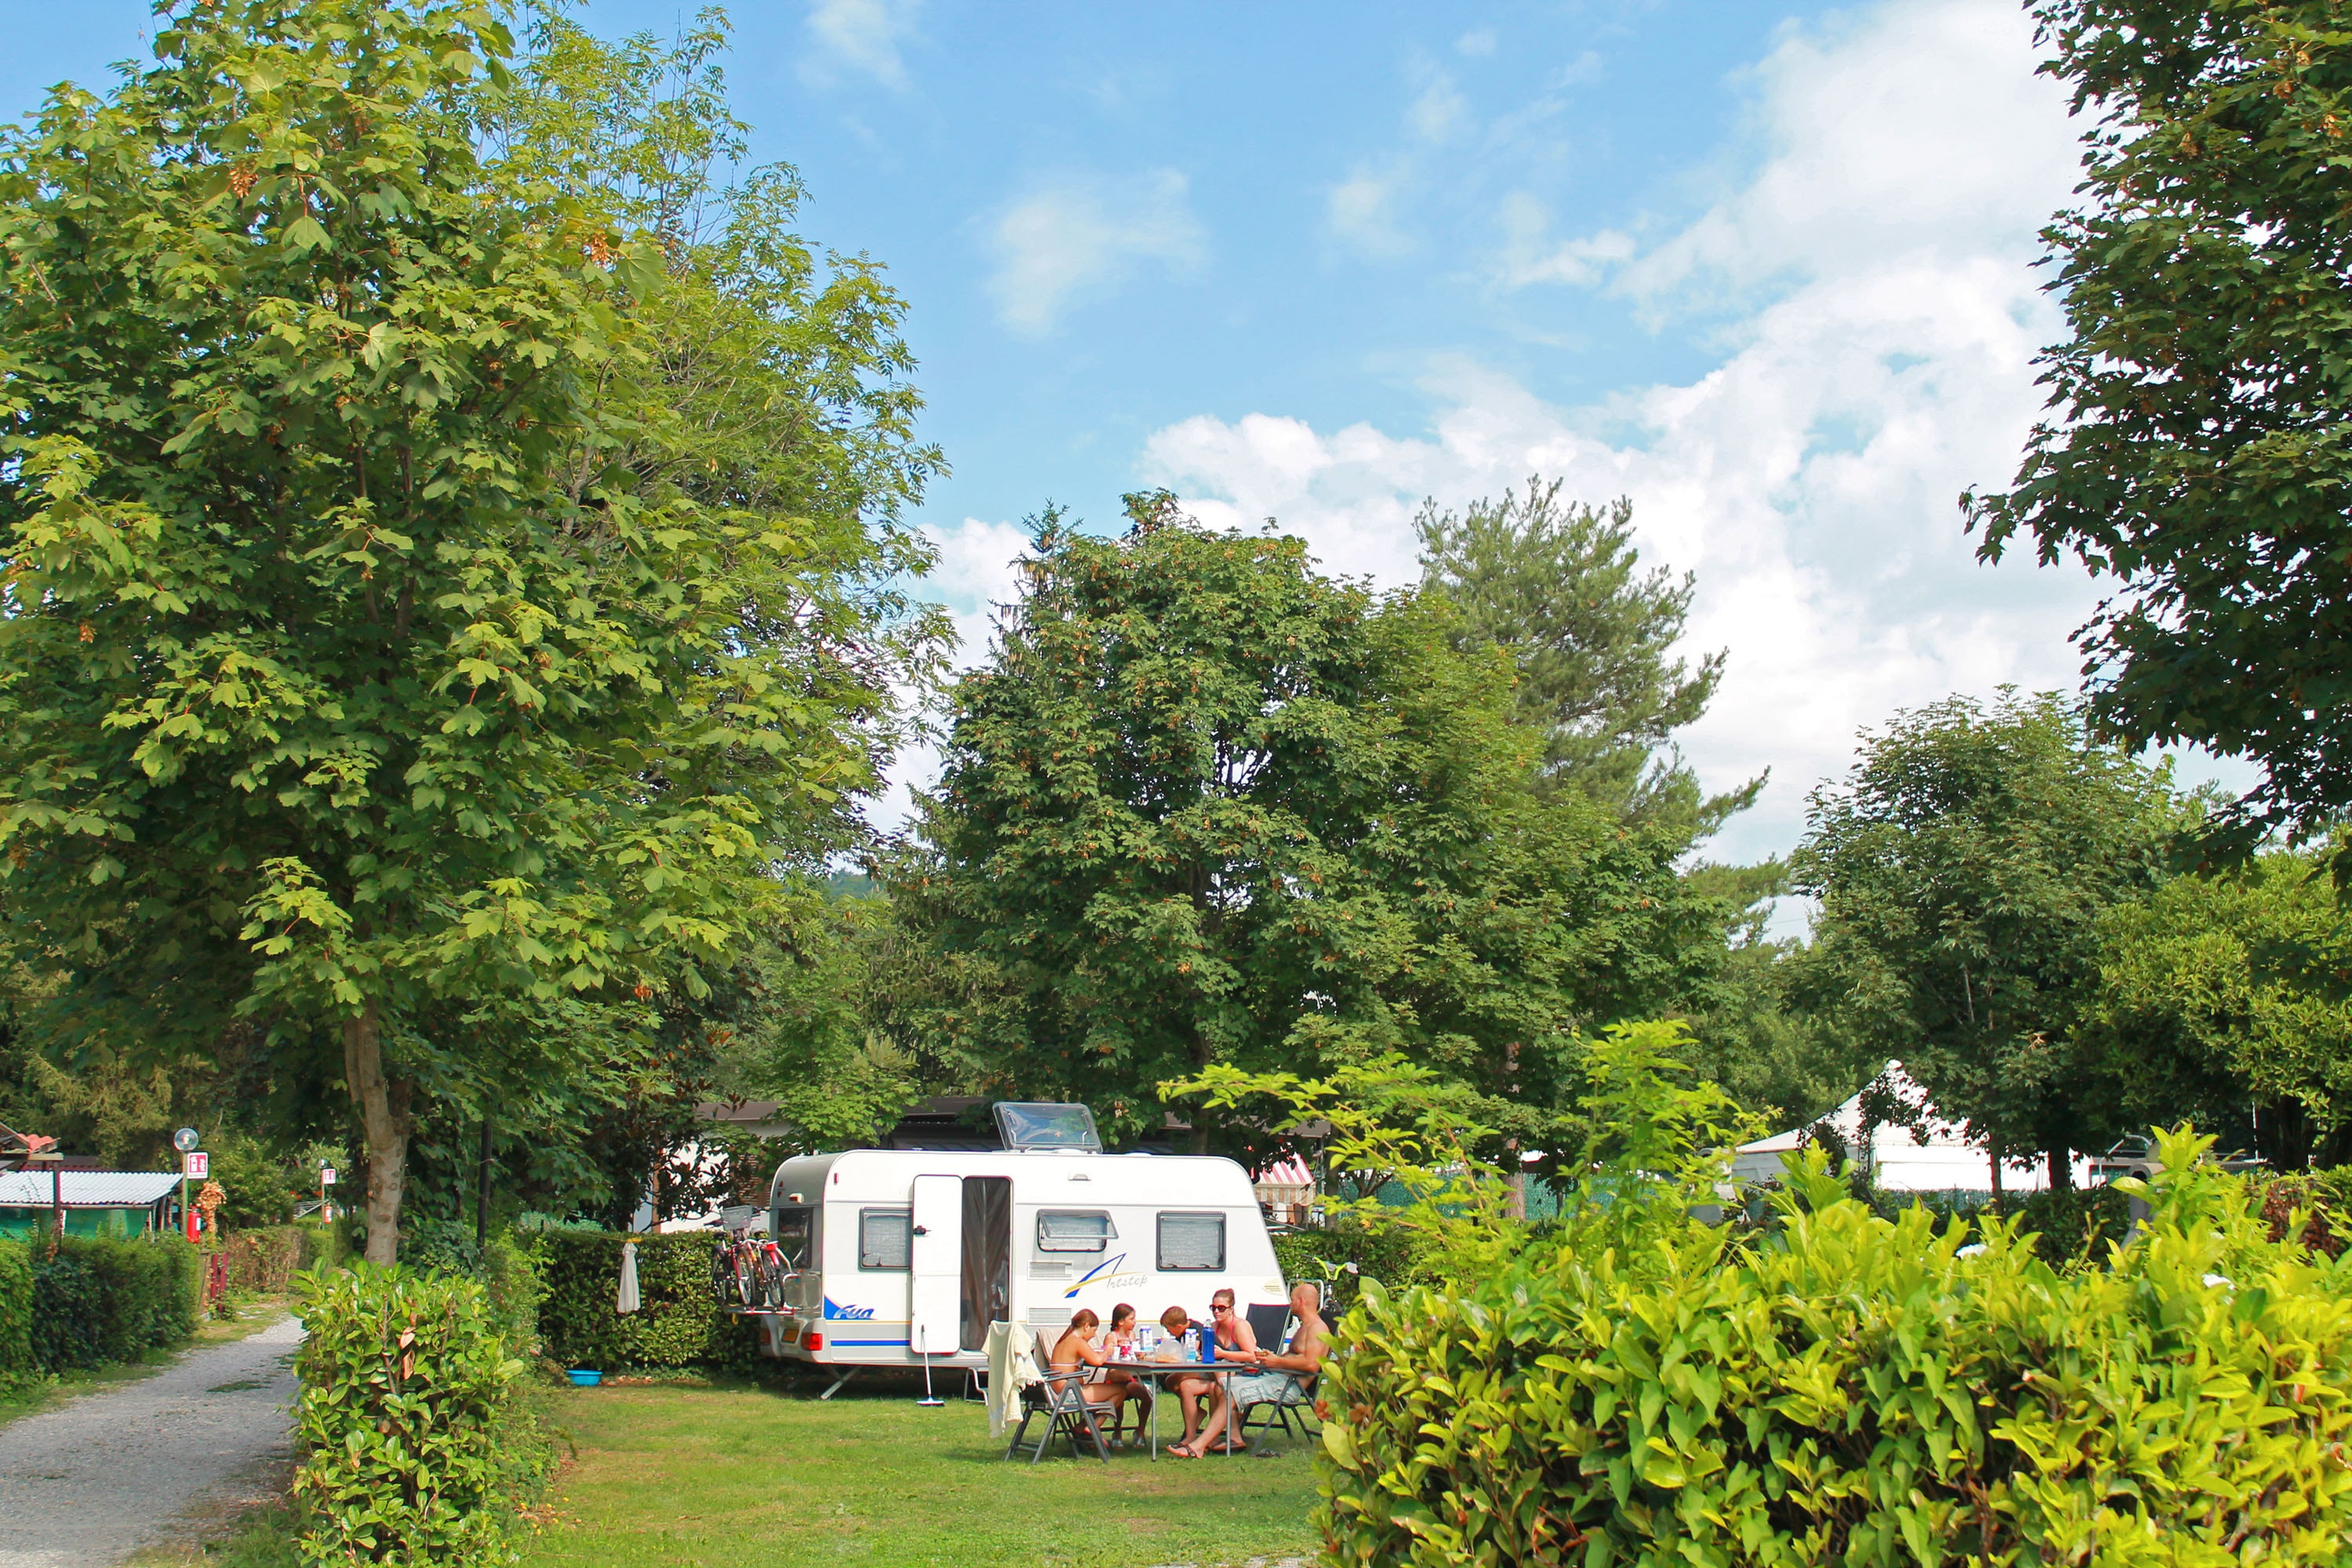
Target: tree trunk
{"type": "Point", "coordinates": [2062, 1168]}
{"type": "Point", "coordinates": [384, 1120]}
{"type": "Point", "coordinates": [482, 1191]}
{"type": "Point", "coordinates": [1994, 1154]}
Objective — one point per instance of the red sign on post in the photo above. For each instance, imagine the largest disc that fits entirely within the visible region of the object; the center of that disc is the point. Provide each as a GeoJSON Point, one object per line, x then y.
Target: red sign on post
{"type": "Point", "coordinates": [326, 1175]}
{"type": "Point", "coordinates": [196, 1166]}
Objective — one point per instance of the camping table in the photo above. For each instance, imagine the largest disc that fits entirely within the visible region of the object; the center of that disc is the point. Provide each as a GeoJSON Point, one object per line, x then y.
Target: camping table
{"type": "Point", "coordinates": [1158, 1370]}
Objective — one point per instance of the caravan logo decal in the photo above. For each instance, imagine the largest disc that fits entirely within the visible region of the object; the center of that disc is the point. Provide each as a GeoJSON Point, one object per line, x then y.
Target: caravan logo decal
{"type": "Point", "coordinates": [1105, 1274]}
{"type": "Point", "coordinates": [833, 1309]}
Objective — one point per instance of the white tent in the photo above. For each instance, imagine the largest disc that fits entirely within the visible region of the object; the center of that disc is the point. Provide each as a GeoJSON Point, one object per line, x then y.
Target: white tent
{"type": "Point", "coordinates": [1937, 1158]}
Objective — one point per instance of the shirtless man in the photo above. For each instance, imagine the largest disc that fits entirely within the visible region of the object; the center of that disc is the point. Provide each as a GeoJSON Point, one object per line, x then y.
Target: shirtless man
{"type": "Point", "coordinates": [1283, 1378]}
{"type": "Point", "coordinates": [1076, 1350]}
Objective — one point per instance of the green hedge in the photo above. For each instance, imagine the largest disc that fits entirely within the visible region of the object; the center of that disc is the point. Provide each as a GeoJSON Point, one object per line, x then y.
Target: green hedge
{"type": "Point", "coordinates": [2071, 1228]}
{"type": "Point", "coordinates": [410, 1445]}
{"type": "Point", "coordinates": [1325, 1256]}
{"type": "Point", "coordinates": [101, 1300]}
{"type": "Point", "coordinates": [265, 1259]}
{"type": "Point", "coordinates": [1849, 1389]}
{"type": "Point", "coordinates": [16, 1364]}
{"type": "Point", "coordinates": [678, 1324]}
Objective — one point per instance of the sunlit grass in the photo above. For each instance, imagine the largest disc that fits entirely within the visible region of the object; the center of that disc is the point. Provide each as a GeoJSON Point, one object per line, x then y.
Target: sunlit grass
{"type": "Point", "coordinates": [742, 1477]}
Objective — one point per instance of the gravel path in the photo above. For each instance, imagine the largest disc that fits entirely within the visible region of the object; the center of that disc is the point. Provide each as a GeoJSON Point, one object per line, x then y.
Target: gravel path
{"type": "Point", "coordinates": [88, 1483]}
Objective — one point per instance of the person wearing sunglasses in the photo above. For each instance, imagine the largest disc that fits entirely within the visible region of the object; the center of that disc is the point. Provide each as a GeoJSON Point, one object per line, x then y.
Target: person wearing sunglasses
{"type": "Point", "coordinates": [1233, 1340]}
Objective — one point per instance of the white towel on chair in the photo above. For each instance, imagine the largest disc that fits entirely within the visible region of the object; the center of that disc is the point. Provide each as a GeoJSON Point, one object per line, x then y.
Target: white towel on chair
{"type": "Point", "coordinates": [1010, 1370]}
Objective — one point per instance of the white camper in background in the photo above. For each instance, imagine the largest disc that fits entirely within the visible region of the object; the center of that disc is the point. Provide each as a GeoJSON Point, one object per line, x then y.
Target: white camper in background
{"type": "Point", "coordinates": [904, 1257]}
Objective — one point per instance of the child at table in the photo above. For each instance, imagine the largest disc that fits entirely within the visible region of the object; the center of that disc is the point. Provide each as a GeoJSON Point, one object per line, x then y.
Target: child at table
{"type": "Point", "coordinates": [1120, 1331]}
{"type": "Point", "coordinates": [1192, 1394]}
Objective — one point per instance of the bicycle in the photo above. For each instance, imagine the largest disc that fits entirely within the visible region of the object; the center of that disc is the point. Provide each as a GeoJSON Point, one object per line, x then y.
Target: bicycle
{"type": "Point", "coordinates": [751, 1269]}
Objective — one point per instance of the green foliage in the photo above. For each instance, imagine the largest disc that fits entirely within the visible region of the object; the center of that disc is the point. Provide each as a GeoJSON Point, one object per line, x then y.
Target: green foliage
{"type": "Point", "coordinates": [2207, 1005]}
{"type": "Point", "coordinates": [1205, 805]}
{"type": "Point", "coordinates": [1763, 1032]}
{"type": "Point", "coordinates": [1852, 1389]}
{"type": "Point", "coordinates": [392, 650]}
{"type": "Point", "coordinates": [1342, 1256]}
{"type": "Point", "coordinates": [818, 1031]}
{"type": "Point", "coordinates": [1558, 586]}
{"type": "Point", "coordinates": [409, 1448]}
{"type": "Point", "coordinates": [16, 1360]}
{"type": "Point", "coordinates": [263, 1260]}
{"type": "Point", "coordinates": [1392, 1124]}
{"type": "Point", "coordinates": [1425, 1207]}
{"type": "Point", "coordinates": [2196, 450]}
{"type": "Point", "coordinates": [678, 1322]}
{"type": "Point", "coordinates": [2069, 1228]}
{"type": "Point", "coordinates": [100, 1300]}
{"type": "Point", "coordinates": [1963, 868]}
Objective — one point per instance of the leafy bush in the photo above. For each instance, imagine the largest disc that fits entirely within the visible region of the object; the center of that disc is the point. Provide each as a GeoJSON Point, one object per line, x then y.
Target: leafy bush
{"type": "Point", "coordinates": [101, 1300]}
{"type": "Point", "coordinates": [1848, 1388]}
{"type": "Point", "coordinates": [1342, 1257]}
{"type": "Point", "coordinates": [2323, 1198]}
{"type": "Point", "coordinates": [410, 1445]}
{"type": "Point", "coordinates": [2070, 1229]}
{"type": "Point", "coordinates": [678, 1322]}
{"type": "Point", "coordinates": [264, 1260]}
{"type": "Point", "coordinates": [16, 1364]}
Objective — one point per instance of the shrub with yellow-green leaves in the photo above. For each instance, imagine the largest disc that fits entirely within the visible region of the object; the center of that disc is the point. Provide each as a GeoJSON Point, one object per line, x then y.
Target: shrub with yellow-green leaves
{"type": "Point", "coordinates": [1843, 1388]}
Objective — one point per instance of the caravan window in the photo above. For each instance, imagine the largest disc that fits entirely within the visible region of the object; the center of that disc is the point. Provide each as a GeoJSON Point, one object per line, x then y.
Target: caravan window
{"type": "Point", "coordinates": [793, 1232]}
{"type": "Point", "coordinates": [1067, 1230]}
{"type": "Point", "coordinates": [885, 1238]}
{"type": "Point", "coordinates": [1191, 1243]}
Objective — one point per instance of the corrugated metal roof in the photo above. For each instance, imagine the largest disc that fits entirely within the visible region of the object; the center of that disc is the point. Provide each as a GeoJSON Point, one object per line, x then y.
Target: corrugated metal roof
{"type": "Point", "coordinates": [87, 1189]}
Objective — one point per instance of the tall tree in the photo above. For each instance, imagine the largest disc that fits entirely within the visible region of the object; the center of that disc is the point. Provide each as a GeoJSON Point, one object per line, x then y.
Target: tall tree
{"type": "Point", "coordinates": [2211, 1009]}
{"type": "Point", "coordinates": [384, 636]}
{"type": "Point", "coordinates": [2197, 448]}
{"type": "Point", "coordinates": [1204, 804]}
{"type": "Point", "coordinates": [1559, 586]}
{"type": "Point", "coordinates": [1963, 868]}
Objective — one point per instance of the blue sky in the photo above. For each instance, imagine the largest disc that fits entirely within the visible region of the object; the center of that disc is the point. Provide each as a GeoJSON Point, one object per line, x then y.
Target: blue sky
{"type": "Point", "coordinates": [1765, 269]}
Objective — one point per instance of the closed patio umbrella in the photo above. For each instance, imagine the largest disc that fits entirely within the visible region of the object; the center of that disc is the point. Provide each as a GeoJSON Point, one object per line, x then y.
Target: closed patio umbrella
{"type": "Point", "coordinates": [629, 1300]}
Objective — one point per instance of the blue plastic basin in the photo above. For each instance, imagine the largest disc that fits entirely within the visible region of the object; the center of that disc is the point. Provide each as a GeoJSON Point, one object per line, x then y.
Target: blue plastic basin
{"type": "Point", "coordinates": [584, 1378]}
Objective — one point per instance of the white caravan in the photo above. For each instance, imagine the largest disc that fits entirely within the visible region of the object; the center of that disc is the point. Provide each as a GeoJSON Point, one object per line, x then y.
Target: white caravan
{"type": "Point", "coordinates": [904, 1257]}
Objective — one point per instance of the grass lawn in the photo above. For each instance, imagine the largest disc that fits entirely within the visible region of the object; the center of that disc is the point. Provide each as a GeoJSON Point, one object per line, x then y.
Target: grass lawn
{"type": "Point", "coordinates": [740, 1477]}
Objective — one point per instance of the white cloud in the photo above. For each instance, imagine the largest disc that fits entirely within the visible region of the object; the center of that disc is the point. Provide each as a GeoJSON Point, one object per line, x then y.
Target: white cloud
{"type": "Point", "coordinates": [1905, 162]}
{"type": "Point", "coordinates": [862, 35]}
{"type": "Point", "coordinates": [1530, 255]}
{"type": "Point", "coordinates": [1361, 212]}
{"type": "Point", "coordinates": [973, 575]}
{"type": "Point", "coordinates": [1476, 44]}
{"type": "Point", "coordinates": [1080, 238]}
{"type": "Point", "coordinates": [1440, 111]}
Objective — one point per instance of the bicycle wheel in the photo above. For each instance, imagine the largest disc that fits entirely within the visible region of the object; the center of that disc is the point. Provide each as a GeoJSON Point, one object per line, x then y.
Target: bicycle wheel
{"type": "Point", "coordinates": [723, 1270]}
{"type": "Point", "coordinates": [771, 1279]}
{"type": "Point", "coordinates": [747, 1285]}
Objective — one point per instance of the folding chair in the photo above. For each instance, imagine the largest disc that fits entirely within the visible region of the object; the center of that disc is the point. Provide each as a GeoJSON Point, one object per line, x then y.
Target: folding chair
{"type": "Point", "coordinates": [1270, 1325]}
{"type": "Point", "coordinates": [1061, 1398]}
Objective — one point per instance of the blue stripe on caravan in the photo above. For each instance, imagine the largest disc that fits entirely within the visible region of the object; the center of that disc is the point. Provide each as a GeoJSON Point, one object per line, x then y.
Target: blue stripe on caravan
{"type": "Point", "coordinates": [832, 1343]}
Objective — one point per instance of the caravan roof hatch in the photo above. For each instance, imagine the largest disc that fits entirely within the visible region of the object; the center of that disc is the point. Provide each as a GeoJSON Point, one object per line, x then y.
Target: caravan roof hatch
{"type": "Point", "coordinates": [1027, 1125]}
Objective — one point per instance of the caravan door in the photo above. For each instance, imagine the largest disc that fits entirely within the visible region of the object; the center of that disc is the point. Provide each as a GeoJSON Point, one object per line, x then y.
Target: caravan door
{"type": "Point", "coordinates": [935, 1263]}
